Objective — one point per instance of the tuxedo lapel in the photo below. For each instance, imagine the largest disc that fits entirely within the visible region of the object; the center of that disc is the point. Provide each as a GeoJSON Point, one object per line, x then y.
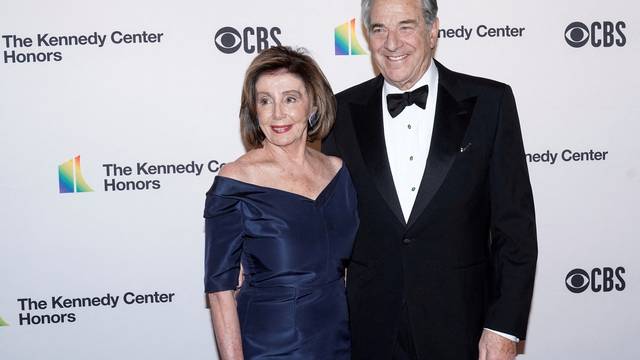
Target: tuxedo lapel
{"type": "Point", "coordinates": [370, 132]}
{"type": "Point", "coordinates": [450, 125]}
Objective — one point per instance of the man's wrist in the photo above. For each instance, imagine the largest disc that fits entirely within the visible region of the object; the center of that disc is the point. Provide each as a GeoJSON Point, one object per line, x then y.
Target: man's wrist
{"type": "Point", "coordinates": [508, 336]}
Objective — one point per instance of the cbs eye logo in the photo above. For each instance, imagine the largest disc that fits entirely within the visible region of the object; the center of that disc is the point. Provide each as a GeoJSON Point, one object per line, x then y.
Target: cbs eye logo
{"type": "Point", "coordinates": [229, 40]}
{"type": "Point", "coordinates": [599, 34]}
{"type": "Point", "coordinates": [599, 280]}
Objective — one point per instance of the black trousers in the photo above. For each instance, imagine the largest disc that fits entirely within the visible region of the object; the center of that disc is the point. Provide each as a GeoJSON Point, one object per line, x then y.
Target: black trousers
{"type": "Point", "coordinates": [404, 348]}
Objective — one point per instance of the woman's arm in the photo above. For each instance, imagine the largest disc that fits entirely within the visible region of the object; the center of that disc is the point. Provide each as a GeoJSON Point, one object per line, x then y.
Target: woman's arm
{"type": "Point", "coordinates": [224, 316]}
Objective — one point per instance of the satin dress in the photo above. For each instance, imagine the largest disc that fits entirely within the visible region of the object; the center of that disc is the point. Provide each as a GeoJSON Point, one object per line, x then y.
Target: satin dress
{"type": "Point", "coordinates": [292, 304]}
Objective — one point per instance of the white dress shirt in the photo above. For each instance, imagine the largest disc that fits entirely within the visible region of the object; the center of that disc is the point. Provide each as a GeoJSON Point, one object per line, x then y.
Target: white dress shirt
{"type": "Point", "coordinates": [408, 138]}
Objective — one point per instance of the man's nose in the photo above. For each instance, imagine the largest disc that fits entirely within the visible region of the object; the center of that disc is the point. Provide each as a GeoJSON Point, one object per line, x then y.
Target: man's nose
{"type": "Point", "coordinates": [392, 41]}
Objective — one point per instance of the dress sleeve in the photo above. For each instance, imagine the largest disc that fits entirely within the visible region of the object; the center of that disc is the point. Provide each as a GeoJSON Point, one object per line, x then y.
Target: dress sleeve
{"type": "Point", "coordinates": [223, 243]}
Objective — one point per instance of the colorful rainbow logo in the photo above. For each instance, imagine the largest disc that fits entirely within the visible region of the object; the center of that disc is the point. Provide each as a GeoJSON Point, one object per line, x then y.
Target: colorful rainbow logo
{"type": "Point", "coordinates": [3, 323]}
{"type": "Point", "coordinates": [346, 41]}
{"type": "Point", "coordinates": [70, 177]}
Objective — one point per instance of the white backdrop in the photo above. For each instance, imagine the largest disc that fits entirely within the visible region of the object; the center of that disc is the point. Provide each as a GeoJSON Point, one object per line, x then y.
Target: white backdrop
{"type": "Point", "coordinates": [173, 100]}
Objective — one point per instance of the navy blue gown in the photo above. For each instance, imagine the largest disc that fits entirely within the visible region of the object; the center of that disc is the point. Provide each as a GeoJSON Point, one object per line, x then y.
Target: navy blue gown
{"type": "Point", "coordinates": [292, 304]}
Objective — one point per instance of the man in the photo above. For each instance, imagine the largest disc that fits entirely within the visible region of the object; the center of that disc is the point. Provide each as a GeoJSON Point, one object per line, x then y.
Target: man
{"type": "Point", "coordinates": [444, 261]}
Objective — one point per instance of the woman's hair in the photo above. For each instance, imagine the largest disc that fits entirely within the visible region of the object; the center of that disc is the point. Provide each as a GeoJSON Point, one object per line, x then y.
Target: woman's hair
{"type": "Point", "coordinates": [293, 61]}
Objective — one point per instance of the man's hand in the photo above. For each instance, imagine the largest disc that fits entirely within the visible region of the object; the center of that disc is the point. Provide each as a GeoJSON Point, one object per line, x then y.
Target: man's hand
{"type": "Point", "coordinates": [495, 347]}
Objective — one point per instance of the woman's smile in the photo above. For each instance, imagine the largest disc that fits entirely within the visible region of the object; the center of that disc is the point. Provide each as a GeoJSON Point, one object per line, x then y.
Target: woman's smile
{"type": "Point", "coordinates": [281, 129]}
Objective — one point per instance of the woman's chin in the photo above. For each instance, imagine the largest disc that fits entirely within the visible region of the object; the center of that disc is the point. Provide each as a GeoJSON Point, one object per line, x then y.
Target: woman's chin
{"type": "Point", "coordinates": [287, 139]}
{"type": "Point", "coordinates": [282, 141]}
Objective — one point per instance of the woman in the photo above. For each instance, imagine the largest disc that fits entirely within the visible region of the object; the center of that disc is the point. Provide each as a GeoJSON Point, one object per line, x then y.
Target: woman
{"type": "Point", "coordinates": [287, 213]}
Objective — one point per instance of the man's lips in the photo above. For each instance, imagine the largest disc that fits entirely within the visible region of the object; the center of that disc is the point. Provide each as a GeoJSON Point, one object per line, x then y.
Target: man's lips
{"type": "Point", "coordinates": [281, 129]}
{"type": "Point", "coordinates": [396, 57]}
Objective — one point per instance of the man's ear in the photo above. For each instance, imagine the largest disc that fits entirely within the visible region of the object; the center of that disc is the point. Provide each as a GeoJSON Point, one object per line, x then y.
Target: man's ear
{"type": "Point", "coordinates": [433, 33]}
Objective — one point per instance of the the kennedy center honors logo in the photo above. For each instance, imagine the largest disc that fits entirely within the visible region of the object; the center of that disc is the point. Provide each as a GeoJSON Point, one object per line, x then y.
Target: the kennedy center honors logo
{"type": "Point", "coordinates": [346, 40]}
{"type": "Point", "coordinates": [70, 177]}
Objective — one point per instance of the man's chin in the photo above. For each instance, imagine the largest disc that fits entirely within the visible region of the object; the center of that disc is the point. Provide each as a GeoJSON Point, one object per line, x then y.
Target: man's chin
{"type": "Point", "coordinates": [397, 80]}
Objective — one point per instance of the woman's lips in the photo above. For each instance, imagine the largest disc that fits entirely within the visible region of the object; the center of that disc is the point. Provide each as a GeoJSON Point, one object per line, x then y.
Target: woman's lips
{"type": "Point", "coordinates": [281, 129]}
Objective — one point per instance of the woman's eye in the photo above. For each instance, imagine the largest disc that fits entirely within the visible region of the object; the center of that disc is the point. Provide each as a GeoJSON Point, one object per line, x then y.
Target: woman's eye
{"type": "Point", "coordinates": [291, 99]}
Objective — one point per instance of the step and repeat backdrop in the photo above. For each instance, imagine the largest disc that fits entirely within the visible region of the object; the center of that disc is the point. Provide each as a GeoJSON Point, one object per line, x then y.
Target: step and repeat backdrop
{"type": "Point", "coordinates": [116, 116]}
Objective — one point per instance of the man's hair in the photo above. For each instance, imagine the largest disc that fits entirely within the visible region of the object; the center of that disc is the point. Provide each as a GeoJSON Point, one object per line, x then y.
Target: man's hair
{"type": "Point", "coordinates": [429, 11]}
{"type": "Point", "coordinates": [296, 62]}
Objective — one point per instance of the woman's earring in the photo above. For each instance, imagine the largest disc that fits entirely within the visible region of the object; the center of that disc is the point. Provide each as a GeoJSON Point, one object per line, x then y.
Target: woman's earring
{"type": "Point", "coordinates": [313, 120]}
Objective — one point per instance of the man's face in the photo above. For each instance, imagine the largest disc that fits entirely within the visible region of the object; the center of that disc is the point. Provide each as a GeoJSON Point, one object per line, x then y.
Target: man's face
{"type": "Point", "coordinates": [400, 41]}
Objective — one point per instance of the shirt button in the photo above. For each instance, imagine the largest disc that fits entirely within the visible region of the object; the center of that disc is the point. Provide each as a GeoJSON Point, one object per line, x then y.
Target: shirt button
{"type": "Point", "coordinates": [410, 158]}
{"type": "Point", "coordinates": [413, 188]}
{"type": "Point", "coordinates": [409, 126]}
{"type": "Point", "coordinates": [407, 241]}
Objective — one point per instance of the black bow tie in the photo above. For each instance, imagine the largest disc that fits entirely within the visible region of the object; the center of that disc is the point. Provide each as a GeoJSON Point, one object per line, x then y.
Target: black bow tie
{"type": "Point", "coordinates": [397, 102]}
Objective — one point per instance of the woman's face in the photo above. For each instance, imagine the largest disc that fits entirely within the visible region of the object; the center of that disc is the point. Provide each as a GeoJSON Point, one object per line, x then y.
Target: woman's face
{"type": "Point", "coordinates": [283, 106]}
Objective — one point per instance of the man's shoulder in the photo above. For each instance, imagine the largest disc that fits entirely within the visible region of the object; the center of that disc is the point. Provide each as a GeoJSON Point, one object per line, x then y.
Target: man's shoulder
{"type": "Point", "coordinates": [480, 82]}
{"type": "Point", "coordinates": [360, 91]}
{"type": "Point", "coordinates": [469, 83]}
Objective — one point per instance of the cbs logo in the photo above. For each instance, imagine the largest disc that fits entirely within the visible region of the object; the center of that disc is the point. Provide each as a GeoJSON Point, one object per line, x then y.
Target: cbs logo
{"type": "Point", "coordinates": [599, 34]}
{"type": "Point", "coordinates": [599, 280]}
{"type": "Point", "coordinates": [251, 40]}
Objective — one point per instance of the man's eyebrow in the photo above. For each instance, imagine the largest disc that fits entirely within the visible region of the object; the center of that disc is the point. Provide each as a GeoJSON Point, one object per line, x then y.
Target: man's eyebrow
{"type": "Point", "coordinates": [408, 22]}
{"type": "Point", "coordinates": [403, 22]}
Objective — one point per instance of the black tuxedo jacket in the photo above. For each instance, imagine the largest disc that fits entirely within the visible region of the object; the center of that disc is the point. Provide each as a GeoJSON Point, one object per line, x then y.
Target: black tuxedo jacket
{"type": "Point", "coordinates": [466, 257]}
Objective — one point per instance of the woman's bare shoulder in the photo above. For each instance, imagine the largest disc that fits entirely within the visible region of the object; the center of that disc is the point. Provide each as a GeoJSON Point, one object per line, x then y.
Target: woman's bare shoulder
{"type": "Point", "coordinates": [245, 168]}
{"type": "Point", "coordinates": [336, 162]}
{"type": "Point", "coordinates": [332, 162]}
